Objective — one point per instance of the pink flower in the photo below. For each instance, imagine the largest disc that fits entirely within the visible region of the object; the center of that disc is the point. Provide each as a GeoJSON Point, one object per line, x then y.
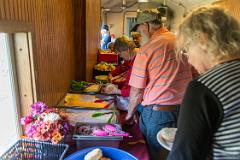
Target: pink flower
{"type": "Point", "coordinates": [45, 124]}
{"type": "Point", "coordinates": [26, 120]}
{"type": "Point", "coordinates": [39, 107]}
{"type": "Point", "coordinates": [45, 128]}
{"type": "Point", "coordinates": [23, 121]}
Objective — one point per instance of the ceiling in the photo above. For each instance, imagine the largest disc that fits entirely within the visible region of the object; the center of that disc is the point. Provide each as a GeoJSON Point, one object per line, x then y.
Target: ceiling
{"type": "Point", "coordinates": [117, 5]}
{"type": "Point", "coordinates": [120, 5]}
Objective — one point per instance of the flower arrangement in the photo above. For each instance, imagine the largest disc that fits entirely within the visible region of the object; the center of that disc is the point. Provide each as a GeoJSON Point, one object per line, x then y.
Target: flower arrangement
{"type": "Point", "coordinates": [45, 124]}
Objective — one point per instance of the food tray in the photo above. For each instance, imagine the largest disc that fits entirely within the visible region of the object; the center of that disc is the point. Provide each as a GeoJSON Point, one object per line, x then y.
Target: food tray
{"type": "Point", "coordinates": [111, 105]}
{"type": "Point", "coordinates": [85, 115]}
{"type": "Point", "coordinates": [78, 135]}
{"type": "Point", "coordinates": [85, 141]}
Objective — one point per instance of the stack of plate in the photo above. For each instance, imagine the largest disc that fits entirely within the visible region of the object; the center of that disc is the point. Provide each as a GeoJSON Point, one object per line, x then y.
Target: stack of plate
{"type": "Point", "coordinates": [164, 142]}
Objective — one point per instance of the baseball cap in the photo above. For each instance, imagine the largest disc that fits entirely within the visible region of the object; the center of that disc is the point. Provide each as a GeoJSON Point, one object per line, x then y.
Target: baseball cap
{"type": "Point", "coordinates": [146, 16]}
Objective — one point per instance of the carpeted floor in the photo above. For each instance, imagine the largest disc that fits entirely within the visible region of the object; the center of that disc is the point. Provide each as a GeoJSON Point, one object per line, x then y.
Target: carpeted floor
{"type": "Point", "coordinates": [136, 144]}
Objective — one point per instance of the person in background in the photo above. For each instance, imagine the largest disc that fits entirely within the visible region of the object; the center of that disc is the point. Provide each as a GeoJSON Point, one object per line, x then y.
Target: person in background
{"type": "Point", "coordinates": [113, 37]}
{"type": "Point", "coordinates": [120, 76]}
{"type": "Point", "coordinates": [209, 122]}
{"type": "Point", "coordinates": [110, 47]}
{"type": "Point", "coordinates": [158, 81]}
{"type": "Point", "coordinates": [105, 37]}
{"type": "Point", "coordinates": [136, 38]}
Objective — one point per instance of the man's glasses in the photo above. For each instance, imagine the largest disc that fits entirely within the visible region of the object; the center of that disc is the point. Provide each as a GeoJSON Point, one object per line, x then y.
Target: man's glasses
{"type": "Point", "coordinates": [184, 53]}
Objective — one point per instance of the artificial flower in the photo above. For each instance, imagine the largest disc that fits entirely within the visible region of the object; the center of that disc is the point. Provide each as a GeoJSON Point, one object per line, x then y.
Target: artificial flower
{"type": "Point", "coordinates": [51, 117]}
{"type": "Point", "coordinates": [45, 124]}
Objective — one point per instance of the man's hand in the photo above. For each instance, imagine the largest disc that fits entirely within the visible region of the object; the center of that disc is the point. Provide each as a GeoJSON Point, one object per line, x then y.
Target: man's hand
{"type": "Point", "coordinates": [131, 118]}
{"type": "Point", "coordinates": [136, 95]}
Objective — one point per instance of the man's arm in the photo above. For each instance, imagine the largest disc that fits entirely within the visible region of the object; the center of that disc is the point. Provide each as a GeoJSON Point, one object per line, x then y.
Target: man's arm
{"type": "Point", "coordinates": [136, 95]}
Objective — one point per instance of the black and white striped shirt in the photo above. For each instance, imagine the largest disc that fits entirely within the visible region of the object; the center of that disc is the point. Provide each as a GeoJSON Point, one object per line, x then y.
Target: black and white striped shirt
{"type": "Point", "coordinates": [209, 121]}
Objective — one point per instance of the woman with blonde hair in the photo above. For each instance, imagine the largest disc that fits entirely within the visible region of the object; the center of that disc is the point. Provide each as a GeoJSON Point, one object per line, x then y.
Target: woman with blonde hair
{"type": "Point", "coordinates": [209, 119]}
{"type": "Point", "coordinates": [125, 47]}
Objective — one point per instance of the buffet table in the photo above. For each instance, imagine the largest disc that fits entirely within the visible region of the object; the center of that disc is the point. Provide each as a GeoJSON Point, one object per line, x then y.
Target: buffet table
{"type": "Point", "coordinates": [134, 145]}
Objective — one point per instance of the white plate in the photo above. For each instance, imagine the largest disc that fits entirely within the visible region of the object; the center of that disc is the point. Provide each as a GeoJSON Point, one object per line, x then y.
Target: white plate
{"type": "Point", "coordinates": [163, 142]}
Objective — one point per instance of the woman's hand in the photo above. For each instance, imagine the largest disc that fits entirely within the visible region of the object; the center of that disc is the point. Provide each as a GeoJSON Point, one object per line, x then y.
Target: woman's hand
{"type": "Point", "coordinates": [110, 76]}
{"type": "Point", "coordinates": [111, 89]}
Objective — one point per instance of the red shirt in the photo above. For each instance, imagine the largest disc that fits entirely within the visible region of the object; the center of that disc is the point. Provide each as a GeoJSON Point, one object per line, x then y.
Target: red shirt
{"type": "Point", "coordinates": [123, 85]}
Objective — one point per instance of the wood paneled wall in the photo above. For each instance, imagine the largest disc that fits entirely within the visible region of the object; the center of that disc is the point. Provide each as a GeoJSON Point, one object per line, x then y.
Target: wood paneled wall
{"type": "Point", "coordinates": [93, 15]}
{"type": "Point", "coordinates": [54, 56]}
{"type": "Point", "coordinates": [80, 38]}
{"type": "Point", "coordinates": [87, 14]}
{"type": "Point", "coordinates": [233, 6]}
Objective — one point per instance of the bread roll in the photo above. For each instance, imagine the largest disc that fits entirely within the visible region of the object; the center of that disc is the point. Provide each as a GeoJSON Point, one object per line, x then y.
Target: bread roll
{"type": "Point", "coordinates": [95, 154]}
{"type": "Point", "coordinates": [104, 158]}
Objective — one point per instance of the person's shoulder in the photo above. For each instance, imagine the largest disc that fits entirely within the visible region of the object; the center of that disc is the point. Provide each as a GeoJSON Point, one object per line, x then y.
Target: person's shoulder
{"type": "Point", "coordinates": [170, 36]}
{"type": "Point", "coordinates": [166, 37]}
{"type": "Point", "coordinates": [197, 88]}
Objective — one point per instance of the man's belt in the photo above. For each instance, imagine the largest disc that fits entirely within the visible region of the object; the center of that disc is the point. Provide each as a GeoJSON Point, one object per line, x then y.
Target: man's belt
{"type": "Point", "coordinates": [165, 107]}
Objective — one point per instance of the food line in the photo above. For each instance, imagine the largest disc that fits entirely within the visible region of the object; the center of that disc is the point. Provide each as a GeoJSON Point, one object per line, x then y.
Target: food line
{"type": "Point", "coordinates": [96, 119]}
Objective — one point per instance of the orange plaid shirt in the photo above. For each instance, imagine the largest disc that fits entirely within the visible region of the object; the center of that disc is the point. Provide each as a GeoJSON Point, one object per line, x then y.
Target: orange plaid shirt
{"type": "Point", "coordinates": [157, 71]}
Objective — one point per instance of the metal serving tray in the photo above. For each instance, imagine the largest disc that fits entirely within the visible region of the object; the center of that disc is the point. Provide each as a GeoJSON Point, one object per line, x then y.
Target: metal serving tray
{"type": "Point", "coordinates": [112, 106]}
{"type": "Point", "coordinates": [86, 141]}
{"type": "Point", "coordinates": [86, 116]}
{"type": "Point", "coordinates": [80, 136]}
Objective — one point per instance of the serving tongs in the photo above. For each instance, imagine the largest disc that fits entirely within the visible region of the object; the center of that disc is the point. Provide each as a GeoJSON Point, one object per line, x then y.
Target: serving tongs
{"type": "Point", "coordinates": [98, 114]}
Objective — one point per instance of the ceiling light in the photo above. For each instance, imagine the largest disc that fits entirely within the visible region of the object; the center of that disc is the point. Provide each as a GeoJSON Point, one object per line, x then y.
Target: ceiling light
{"type": "Point", "coordinates": [143, 0]}
{"type": "Point", "coordinates": [106, 9]}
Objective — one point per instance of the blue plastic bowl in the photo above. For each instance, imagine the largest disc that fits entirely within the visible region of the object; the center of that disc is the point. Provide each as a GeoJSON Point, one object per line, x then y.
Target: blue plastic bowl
{"type": "Point", "coordinates": [113, 153]}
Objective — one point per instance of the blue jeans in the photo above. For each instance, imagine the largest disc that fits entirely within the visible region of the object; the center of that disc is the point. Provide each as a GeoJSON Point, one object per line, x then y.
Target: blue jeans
{"type": "Point", "coordinates": [140, 109]}
{"type": "Point", "coordinates": [151, 122]}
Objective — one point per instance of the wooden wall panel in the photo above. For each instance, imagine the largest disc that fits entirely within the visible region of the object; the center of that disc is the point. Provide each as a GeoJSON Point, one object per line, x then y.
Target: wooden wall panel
{"type": "Point", "coordinates": [87, 15]}
{"type": "Point", "coordinates": [54, 53]}
{"type": "Point", "coordinates": [233, 6]}
{"type": "Point", "coordinates": [93, 15]}
{"type": "Point", "coordinates": [80, 38]}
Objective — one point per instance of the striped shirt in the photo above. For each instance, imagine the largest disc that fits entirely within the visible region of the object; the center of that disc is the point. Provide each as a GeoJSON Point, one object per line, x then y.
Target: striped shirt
{"type": "Point", "coordinates": [224, 82]}
{"type": "Point", "coordinates": [156, 70]}
{"type": "Point", "coordinates": [209, 122]}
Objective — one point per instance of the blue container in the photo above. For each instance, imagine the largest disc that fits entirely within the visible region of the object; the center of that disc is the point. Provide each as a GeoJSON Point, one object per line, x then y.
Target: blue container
{"type": "Point", "coordinates": [113, 153]}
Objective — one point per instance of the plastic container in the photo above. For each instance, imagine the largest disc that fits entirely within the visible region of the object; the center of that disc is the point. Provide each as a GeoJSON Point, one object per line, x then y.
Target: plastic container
{"type": "Point", "coordinates": [113, 153]}
{"type": "Point", "coordinates": [85, 115]}
{"type": "Point", "coordinates": [35, 150]}
{"type": "Point", "coordinates": [110, 58]}
{"type": "Point", "coordinates": [85, 141]}
{"type": "Point", "coordinates": [98, 72]}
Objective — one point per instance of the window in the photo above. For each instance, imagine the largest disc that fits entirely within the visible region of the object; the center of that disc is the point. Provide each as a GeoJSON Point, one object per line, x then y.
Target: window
{"type": "Point", "coordinates": [130, 22]}
{"type": "Point", "coordinates": [9, 121]}
{"type": "Point", "coordinates": [17, 80]}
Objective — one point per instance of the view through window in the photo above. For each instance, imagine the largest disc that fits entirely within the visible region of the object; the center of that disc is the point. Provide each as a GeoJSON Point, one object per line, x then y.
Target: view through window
{"type": "Point", "coordinates": [9, 126]}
